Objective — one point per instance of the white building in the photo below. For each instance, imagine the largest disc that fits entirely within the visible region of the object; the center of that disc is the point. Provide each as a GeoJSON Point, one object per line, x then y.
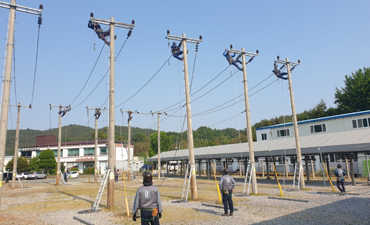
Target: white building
{"type": "Point", "coordinates": [81, 154]}
{"type": "Point", "coordinates": [329, 124]}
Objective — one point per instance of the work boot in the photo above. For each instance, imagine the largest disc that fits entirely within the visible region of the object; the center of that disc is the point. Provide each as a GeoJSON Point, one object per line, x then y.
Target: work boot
{"type": "Point", "coordinates": [225, 214]}
{"type": "Point", "coordinates": [231, 214]}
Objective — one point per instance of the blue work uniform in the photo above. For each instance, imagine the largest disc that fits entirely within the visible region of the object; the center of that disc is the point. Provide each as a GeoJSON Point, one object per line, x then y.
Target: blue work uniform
{"type": "Point", "coordinates": [340, 173]}
{"type": "Point", "coordinates": [230, 59]}
{"type": "Point", "coordinates": [176, 51]}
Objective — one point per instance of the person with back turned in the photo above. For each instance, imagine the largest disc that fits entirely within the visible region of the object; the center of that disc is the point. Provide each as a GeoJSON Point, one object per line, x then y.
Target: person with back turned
{"type": "Point", "coordinates": [340, 173]}
{"type": "Point", "coordinates": [148, 200]}
{"type": "Point", "coordinates": [227, 185]}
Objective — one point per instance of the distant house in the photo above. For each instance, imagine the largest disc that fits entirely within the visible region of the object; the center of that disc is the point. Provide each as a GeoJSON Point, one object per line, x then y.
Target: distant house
{"type": "Point", "coordinates": [81, 154]}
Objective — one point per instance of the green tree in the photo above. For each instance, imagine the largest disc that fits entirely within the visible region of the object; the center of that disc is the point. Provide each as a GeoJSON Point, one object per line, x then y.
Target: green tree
{"type": "Point", "coordinates": [22, 165]}
{"type": "Point", "coordinates": [165, 143]}
{"type": "Point", "coordinates": [355, 96]}
{"type": "Point", "coordinates": [34, 164]}
{"type": "Point", "coordinates": [139, 138]}
{"type": "Point", "coordinates": [47, 160]}
{"type": "Point", "coordinates": [62, 167]}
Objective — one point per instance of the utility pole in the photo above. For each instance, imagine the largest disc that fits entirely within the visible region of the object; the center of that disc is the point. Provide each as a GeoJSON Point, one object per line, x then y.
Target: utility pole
{"type": "Point", "coordinates": [294, 115]}
{"type": "Point", "coordinates": [97, 115]}
{"type": "Point", "coordinates": [184, 40]}
{"type": "Point", "coordinates": [243, 53]}
{"type": "Point", "coordinates": [111, 150]}
{"type": "Point", "coordinates": [159, 143]}
{"type": "Point", "coordinates": [61, 114]}
{"type": "Point", "coordinates": [15, 160]}
{"type": "Point", "coordinates": [129, 142]}
{"type": "Point", "coordinates": [7, 76]}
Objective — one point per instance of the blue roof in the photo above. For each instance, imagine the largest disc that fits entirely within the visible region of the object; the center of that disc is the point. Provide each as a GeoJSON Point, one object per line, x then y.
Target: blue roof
{"type": "Point", "coordinates": [317, 119]}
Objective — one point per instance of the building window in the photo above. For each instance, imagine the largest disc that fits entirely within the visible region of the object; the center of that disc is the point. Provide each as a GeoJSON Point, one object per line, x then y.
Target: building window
{"type": "Point", "coordinates": [38, 153]}
{"type": "Point", "coordinates": [73, 152]}
{"type": "Point", "coordinates": [55, 153]}
{"type": "Point", "coordinates": [264, 136]}
{"type": "Point", "coordinates": [103, 151]}
{"type": "Point", "coordinates": [283, 133]}
{"type": "Point", "coordinates": [318, 128]}
{"type": "Point", "coordinates": [359, 123]}
{"type": "Point", "coordinates": [27, 154]}
{"type": "Point", "coordinates": [89, 151]}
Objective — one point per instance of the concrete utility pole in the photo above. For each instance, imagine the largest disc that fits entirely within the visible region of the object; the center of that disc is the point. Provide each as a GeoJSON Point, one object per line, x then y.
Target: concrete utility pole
{"type": "Point", "coordinates": [159, 143]}
{"type": "Point", "coordinates": [111, 150]}
{"type": "Point", "coordinates": [15, 161]}
{"type": "Point", "coordinates": [247, 110]}
{"type": "Point", "coordinates": [61, 114]}
{"type": "Point", "coordinates": [129, 142]}
{"type": "Point", "coordinates": [7, 76]}
{"type": "Point", "coordinates": [294, 115]}
{"type": "Point", "coordinates": [184, 40]}
{"type": "Point", "coordinates": [97, 115]}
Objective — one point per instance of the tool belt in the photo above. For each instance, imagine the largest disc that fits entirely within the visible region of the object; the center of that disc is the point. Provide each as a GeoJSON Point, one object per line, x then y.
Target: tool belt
{"type": "Point", "coordinates": [154, 214]}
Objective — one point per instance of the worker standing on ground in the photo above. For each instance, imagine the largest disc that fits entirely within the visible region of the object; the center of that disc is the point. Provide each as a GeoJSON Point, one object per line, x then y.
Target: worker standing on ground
{"type": "Point", "coordinates": [149, 201]}
{"type": "Point", "coordinates": [227, 185]}
{"type": "Point", "coordinates": [340, 173]}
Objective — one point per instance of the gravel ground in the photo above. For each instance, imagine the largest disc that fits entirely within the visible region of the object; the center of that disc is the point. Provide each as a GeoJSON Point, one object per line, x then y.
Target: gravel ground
{"type": "Point", "coordinates": [329, 208]}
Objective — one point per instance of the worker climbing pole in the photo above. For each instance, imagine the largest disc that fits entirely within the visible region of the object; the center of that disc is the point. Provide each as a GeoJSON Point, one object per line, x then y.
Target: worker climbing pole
{"type": "Point", "coordinates": [111, 135]}
{"type": "Point", "coordinates": [183, 40]}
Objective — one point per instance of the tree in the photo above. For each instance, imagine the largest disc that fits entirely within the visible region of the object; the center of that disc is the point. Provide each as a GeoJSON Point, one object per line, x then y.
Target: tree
{"type": "Point", "coordinates": [34, 164]}
{"type": "Point", "coordinates": [165, 143]}
{"type": "Point", "coordinates": [47, 160]}
{"type": "Point", "coordinates": [355, 96]}
{"type": "Point", "coordinates": [62, 167]}
{"type": "Point", "coordinates": [22, 165]}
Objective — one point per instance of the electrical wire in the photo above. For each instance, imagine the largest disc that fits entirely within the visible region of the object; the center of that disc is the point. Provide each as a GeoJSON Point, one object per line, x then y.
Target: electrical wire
{"type": "Point", "coordinates": [166, 109]}
{"type": "Point", "coordinates": [37, 56]}
{"type": "Point", "coordinates": [89, 75]}
{"type": "Point", "coordinates": [146, 82]}
{"type": "Point", "coordinates": [104, 74]}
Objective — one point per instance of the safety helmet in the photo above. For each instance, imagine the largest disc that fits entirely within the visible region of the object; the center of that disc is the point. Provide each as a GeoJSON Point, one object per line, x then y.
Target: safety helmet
{"type": "Point", "coordinates": [174, 43]}
{"type": "Point", "coordinates": [225, 171]}
{"type": "Point", "coordinates": [147, 177]}
{"type": "Point", "coordinates": [339, 166]}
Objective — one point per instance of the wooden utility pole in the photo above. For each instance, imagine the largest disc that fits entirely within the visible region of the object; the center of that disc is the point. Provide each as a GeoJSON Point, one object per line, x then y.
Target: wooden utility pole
{"type": "Point", "coordinates": [97, 115]}
{"type": "Point", "coordinates": [184, 40]}
{"type": "Point", "coordinates": [294, 115]}
{"type": "Point", "coordinates": [61, 114]}
{"type": "Point", "coordinates": [129, 112]}
{"type": "Point", "coordinates": [111, 147]}
{"type": "Point", "coordinates": [243, 53]}
{"type": "Point", "coordinates": [7, 76]}
{"type": "Point", "coordinates": [15, 160]}
{"type": "Point", "coordinates": [159, 142]}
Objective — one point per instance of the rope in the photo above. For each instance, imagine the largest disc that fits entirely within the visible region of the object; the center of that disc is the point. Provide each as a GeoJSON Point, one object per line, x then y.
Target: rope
{"type": "Point", "coordinates": [37, 55]}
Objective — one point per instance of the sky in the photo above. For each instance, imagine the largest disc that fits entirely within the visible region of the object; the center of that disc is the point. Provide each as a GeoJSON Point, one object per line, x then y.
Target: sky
{"type": "Point", "coordinates": [330, 38]}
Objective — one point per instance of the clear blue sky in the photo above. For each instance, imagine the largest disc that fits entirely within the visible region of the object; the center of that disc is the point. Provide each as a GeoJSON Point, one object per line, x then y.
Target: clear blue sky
{"type": "Point", "coordinates": [331, 38]}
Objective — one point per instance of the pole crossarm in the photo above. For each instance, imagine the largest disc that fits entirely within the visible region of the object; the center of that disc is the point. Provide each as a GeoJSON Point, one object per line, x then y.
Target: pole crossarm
{"type": "Point", "coordinates": [178, 38]}
{"type": "Point", "coordinates": [97, 111]}
{"type": "Point", "coordinates": [116, 24]}
{"type": "Point", "coordinates": [60, 107]}
{"type": "Point", "coordinates": [287, 62]}
{"type": "Point", "coordinates": [250, 54]}
{"type": "Point", "coordinates": [24, 106]}
{"type": "Point", "coordinates": [22, 8]}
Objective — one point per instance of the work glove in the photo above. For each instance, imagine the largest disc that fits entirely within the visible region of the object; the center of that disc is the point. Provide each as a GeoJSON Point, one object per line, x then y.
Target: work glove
{"type": "Point", "coordinates": [134, 217]}
{"type": "Point", "coordinates": [159, 215]}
